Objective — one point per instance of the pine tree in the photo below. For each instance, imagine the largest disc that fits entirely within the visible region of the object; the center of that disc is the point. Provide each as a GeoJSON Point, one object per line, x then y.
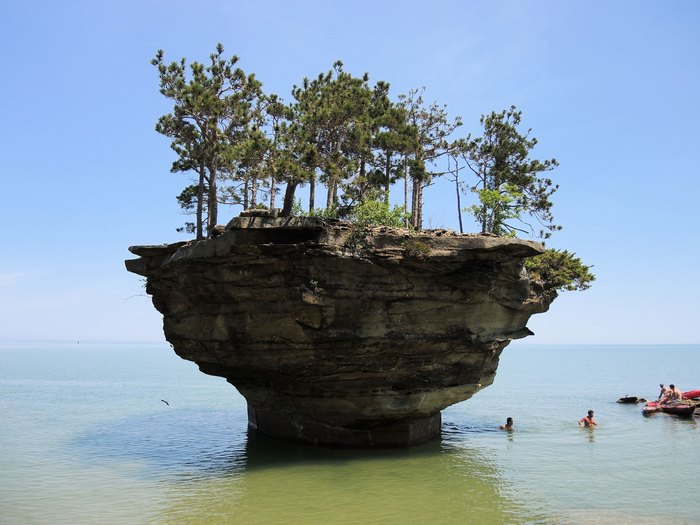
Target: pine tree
{"type": "Point", "coordinates": [332, 112]}
{"type": "Point", "coordinates": [509, 183]}
{"type": "Point", "coordinates": [210, 119]}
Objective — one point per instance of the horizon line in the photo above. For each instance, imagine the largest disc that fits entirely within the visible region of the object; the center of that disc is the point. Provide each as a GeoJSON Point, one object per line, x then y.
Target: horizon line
{"type": "Point", "coordinates": [163, 341]}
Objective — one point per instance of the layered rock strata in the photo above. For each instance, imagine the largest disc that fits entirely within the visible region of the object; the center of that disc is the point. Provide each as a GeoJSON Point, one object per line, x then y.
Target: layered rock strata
{"type": "Point", "coordinates": [341, 336]}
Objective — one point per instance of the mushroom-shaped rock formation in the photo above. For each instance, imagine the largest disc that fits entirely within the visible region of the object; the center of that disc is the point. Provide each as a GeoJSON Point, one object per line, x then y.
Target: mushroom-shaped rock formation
{"type": "Point", "coordinates": [341, 335]}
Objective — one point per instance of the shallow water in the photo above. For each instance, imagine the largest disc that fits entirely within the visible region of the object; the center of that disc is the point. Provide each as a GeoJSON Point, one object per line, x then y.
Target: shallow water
{"type": "Point", "coordinates": [85, 438]}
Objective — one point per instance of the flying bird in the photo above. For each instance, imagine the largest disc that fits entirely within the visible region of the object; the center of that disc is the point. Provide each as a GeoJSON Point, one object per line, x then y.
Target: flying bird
{"type": "Point", "coordinates": [164, 401]}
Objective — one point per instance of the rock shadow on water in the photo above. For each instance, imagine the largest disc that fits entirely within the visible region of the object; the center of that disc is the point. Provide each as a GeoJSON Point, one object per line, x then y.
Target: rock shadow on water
{"type": "Point", "coordinates": [184, 442]}
{"type": "Point", "coordinates": [177, 444]}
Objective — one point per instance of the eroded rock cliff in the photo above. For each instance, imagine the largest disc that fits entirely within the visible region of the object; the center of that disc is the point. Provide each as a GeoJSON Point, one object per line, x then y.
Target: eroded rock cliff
{"type": "Point", "coordinates": [341, 337]}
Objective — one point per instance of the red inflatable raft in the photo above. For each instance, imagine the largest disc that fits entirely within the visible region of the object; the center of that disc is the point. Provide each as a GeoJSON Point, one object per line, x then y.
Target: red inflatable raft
{"type": "Point", "coordinates": [677, 409]}
{"type": "Point", "coordinates": [691, 394]}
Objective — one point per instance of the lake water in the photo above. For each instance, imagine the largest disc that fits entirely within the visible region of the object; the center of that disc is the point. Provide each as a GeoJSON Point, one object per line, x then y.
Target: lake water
{"type": "Point", "coordinates": [85, 438]}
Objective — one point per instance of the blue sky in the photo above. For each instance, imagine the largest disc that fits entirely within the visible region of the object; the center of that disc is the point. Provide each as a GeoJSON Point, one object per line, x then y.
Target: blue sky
{"type": "Point", "coordinates": [611, 89]}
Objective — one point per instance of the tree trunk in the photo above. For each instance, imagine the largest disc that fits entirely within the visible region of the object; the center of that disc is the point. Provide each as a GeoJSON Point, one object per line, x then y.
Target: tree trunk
{"type": "Point", "coordinates": [212, 202]}
{"type": "Point", "coordinates": [387, 176]}
{"type": "Point", "coordinates": [254, 192]}
{"type": "Point", "coordinates": [312, 192]}
{"type": "Point", "coordinates": [459, 199]}
{"type": "Point", "coordinates": [405, 187]}
{"type": "Point", "coordinates": [364, 183]}
{"type": "Point", "coordinates": [417, 200]}
{"type": "Point", "coordinates": [417, 204]}
{"type": "Point", "coordinates": [245, 193]}
{"type": "Point", "coordinates": [288, 199]}
{"type": "Point", "coordinates": [484, 211]}
{"type": "Point", "coordinates": [200, 202]}
{"type": "Point", "coordinates": [330, 198]}
{"type": "Point", "coordinates": [273, 189]}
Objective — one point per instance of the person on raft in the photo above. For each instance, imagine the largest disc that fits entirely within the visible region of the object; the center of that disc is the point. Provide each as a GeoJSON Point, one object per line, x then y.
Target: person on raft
{"type": "Point", "coordinates": [588, 421]}
{"type": "Point", "coordinates": [663, 393]}
{"type": "Point", "coordinates": [671, 395]}
{"type": "Point", "coordinates": [508, 425]}
{"type": "Point", "coordinates": [675, 393]}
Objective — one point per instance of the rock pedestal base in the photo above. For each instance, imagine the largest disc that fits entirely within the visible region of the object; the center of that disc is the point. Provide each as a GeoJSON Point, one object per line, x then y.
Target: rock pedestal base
{"type": "Point", "coordinates": [386, 434]}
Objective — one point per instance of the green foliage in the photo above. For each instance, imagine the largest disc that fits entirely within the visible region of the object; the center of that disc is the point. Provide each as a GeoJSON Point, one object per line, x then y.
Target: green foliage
{"type": "Point", "coordinates": [416, 247]}
{"type": "Point", "coordinates": [359, 241]}
{"type": "Point", "coordinates": [372, 213]}
{"type": "Point", "coordinates": [188, 198]}
{"type": "Point", "coordinates": [379, 213]}
{"type": "Point", "coordinates": [188, 202]}
{"type": "Point", "coordinates": [323, 213]}
{"type": "Point", "coordinates": [556, 270]}
{"type": "Point", "coordinates": [188, 227]}
{"type": "Point", "coordinates": [297, 209]}
{"type": "Point", "coordinates": [497, 206]}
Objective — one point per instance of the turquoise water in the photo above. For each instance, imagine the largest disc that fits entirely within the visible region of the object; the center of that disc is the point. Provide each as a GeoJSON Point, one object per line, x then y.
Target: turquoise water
{"type": "Point", "coordinates": [85, 438]}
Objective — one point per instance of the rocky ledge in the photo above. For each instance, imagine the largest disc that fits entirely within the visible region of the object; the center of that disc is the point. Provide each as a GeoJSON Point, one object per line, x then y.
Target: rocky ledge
{"type": "Point", "coordinates": [343, 336]}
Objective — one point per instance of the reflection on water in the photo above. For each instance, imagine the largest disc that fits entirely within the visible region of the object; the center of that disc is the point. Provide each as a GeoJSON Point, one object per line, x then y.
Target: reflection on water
{"type": "Point", "coordinates": [292, 483]}
{"type": "Point", "coordinates": [589, 433]}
